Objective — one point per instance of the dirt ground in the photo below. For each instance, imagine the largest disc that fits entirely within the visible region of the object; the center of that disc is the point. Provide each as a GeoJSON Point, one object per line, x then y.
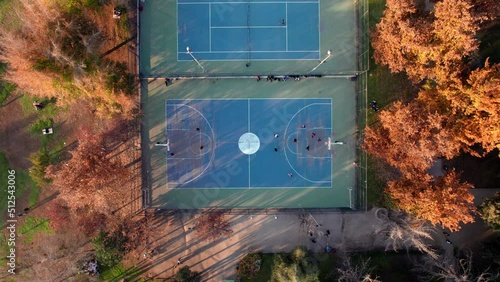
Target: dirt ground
{"type": "Point", "coordinates": [16, 141]}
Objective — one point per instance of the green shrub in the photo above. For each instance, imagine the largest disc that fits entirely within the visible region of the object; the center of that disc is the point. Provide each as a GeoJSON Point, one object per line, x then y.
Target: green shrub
{"type": "Point", "coordinates": [296, 266]}
{"type": "Point", "coordinates": [490, 211]}
{"type": "Point", "coordinates": [118, 78]}
{"type": "Point", "coordinates": [109, 249]}
{"type": "Point", "coordinates": [249, 265]}
{"type": "Point", "coordinates": [40, 160]}
{"type": "Point", "coordinates": [184, 274]}
{"type": "Point", "coordinates": [5, 90]}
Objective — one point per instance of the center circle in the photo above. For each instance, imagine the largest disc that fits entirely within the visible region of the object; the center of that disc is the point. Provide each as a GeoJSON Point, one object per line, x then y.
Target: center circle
{"type": "Point", "coordinates": [249, 143]}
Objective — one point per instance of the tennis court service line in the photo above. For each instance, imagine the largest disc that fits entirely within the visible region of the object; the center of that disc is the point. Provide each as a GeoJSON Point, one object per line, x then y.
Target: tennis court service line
{"type": "Point", "coordinates": [210, 26]}
{"type": "Point", "coordinates": [245, 51]}
{"type": "Point", "coordinates": [286, 25]}
{"type": "Point", "coordinates": [256, 26]}
{"type": "Point", "coordinates": [245, 2]}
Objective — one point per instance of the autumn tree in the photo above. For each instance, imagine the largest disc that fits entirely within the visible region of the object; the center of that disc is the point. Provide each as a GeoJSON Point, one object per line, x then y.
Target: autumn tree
{"type": "Point", "coordinates": [476, 103]}
{"type": "Point", "coordinates": [411, 137]}
{"type": "Point", "coordinates": [425, 42]}
{"type": "Point", "coordinates": [52, 48]}
{"type": "Point", "coordinates": [91, 180]}
{"type": "Point", "coordinates": [490, 211]}
{"type": "Point", "coordinates": [58, 213]}
{"type": "Point", "coordinates": [211, 226]}
{"type": "Point", "coordinates": [445, 200]}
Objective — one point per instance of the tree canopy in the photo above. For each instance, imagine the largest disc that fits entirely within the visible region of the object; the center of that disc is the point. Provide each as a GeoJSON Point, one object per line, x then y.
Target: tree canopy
{"type": "Point", "coordinates": [457, 108]}
{"type": "Point", "coordinates": [444, 200]}
{"type": "Point", "coordinates": [490, 211]}
{"type": "Point", "coordinates": [426, 42]}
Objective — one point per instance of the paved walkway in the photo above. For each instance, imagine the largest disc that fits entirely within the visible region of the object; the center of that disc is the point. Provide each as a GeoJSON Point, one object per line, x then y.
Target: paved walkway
{"type": "Point", "coordinates": [174, 239]}
{"type": "Point", "coordinates": [267, 233]}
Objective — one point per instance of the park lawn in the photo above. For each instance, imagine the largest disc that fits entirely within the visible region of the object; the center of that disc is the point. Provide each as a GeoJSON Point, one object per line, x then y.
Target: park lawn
{"type": "Point", "coordinates": [326, 265]}
{"type": "Point", "coordinates": [24, 184]}
{"type": "Point", "coordinates": [120, 273]}
{"type": "Point", "coordinates": [32, 226]}
{"type": "Point", "coordinates": [264, 274]}
{"type": "Point", "coordinates": [391, 266]}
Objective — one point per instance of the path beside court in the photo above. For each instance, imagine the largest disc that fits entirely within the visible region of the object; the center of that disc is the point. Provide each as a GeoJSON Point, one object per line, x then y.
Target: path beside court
{"type": "Point", "coordinates": [268, 233]}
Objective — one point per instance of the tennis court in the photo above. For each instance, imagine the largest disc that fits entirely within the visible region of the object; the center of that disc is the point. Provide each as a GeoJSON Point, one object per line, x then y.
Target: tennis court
{"type": "Point", "coordinates": [248, 30]}
{"type": "Point", "coordinates": [247, 37]}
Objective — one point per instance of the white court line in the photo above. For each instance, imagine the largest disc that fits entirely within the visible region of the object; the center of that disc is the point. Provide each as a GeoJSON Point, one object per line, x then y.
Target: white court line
{"type": "Point", "coordinates": [245, 27]}
{"type": "Point", "coordinates": [241, 60]}
{"type": "Point", "coordinates": [210, 26]}
{"type": "Point", "coordinates": [176, 30]}
{"type": "Point", "coordinates": [211, 130]}
{"type": "Point", "coordinates": [278, 98]}
{"type": "Point", "coordinates": [296, 153]}
{"type": "Point", "coordinates": [285, 149]}
{"type": "Point", "coordinates": [246, 2]}
{"type": "Point", "coordinates": [286, 25]}
{"type": "Point", "coordinates": [319, 30]}
{"type": "Point", "coordinates": [205, 52]}
{"type": "Point", "coordinates": [331, 124]}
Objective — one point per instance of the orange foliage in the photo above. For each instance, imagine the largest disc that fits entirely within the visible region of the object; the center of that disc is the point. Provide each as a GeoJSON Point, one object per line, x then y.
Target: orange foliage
{"type": "Point", "coordinates": [90, 180]}
{"type": "Point", "coordinates": [46, 48]}
{"type": "Point", "coordinates": [425, 42]}
{"type": "Point", "coordinates": [444, 201]}
{"type": "Point", "coordinates": [410, 137]}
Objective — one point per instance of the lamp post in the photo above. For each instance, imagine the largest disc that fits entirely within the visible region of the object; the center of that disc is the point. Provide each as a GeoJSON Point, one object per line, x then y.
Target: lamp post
{"type": "Point", "coordinates": [328, 54]}
{"type": "Point", "coordinates": [188, 50]}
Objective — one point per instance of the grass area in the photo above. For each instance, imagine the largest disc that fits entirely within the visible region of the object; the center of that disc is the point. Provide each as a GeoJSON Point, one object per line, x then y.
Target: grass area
{"type": "Point", "coordinates": [388, 266]}
{"type": "Point", "coordinates": [24, 184]}
{"type": "Point", "coordinates": [327, 265]}
{"type": "Point", "coordinates": [5, 87]}
{"type": "Point", "coordinates": [119, 273]}
{"type": "Point", "coordinates": [51, 149]}
{"type": "Point", "coordinates": [5, 90]}
{"type": "Point", "coordinates": [391, 266]}
{"type": "Point", "coordinates": [49, 106]}
{"type": "Point", "coordinates": [32, 226]}
{"type": "Point", "coordinates": [264, 274]}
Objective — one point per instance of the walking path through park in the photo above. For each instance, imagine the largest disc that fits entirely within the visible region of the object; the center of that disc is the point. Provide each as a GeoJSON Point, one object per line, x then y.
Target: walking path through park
{"type": "Point", "coordinates": [173, 239]}
{"type": "Point", "coordinates": [272, 232]}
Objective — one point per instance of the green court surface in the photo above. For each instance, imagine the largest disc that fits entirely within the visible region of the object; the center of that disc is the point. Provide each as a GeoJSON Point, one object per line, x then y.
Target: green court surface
{"type": "Point", "coordinates": [217, 137]}
{"type": "Point", "coordinates": [210, 163]}
{"type": "Point", "coordinates": [243, 37]}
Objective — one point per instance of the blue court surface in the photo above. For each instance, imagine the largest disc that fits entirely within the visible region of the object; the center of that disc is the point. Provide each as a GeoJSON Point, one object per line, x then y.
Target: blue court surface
{"type": "Point", "coordinates": [248, 30]}
{"type": "Point", "coordinates": [249, 143]}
